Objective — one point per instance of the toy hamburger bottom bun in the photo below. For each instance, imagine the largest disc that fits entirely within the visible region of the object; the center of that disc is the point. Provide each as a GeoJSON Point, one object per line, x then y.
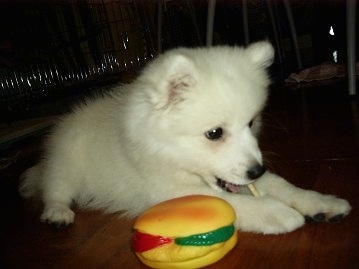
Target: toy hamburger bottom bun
{"type": "Point", "coordinates": [186, 232]}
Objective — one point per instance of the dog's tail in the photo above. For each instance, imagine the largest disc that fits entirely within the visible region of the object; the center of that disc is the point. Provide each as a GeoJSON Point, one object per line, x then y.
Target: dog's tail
{"type": "Point", "coordinates": [31, 182]}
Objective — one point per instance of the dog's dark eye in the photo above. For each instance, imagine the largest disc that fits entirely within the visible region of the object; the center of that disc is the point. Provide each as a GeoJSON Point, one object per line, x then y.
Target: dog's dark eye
{"type": "Point", "coordinates": [214, 134]}
{"type": "Point", "coordinates": [250, 124]}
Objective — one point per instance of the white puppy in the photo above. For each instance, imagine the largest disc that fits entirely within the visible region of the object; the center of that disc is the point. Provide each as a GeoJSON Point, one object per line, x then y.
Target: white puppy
{"type": "Point", "coordinates": [186, 125]}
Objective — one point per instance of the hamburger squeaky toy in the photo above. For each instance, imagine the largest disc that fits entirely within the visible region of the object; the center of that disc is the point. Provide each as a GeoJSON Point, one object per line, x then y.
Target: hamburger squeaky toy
{"type": "Point", "coordinates": [186, 232]}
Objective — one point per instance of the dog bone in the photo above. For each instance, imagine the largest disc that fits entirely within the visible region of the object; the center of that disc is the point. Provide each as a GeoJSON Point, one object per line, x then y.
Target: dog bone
{"type": "Point", "coordinates": [253, 190]}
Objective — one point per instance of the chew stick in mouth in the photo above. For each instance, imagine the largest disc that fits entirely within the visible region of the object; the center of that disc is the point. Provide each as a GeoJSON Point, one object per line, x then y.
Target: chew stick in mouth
{"type": "Point", "coordinates": [253, 190]}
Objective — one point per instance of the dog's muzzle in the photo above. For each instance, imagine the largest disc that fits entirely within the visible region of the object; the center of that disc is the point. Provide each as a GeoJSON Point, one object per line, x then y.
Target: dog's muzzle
{"type": "Point", "coordinates": [227, 186]}
{"type": "Point", "coordinates": [252, 174]}
{"type": "Point", "coordinates": [256, 171]}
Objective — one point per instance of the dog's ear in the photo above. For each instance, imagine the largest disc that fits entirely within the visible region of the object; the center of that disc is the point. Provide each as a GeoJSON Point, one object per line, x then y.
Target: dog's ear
{"type": "Point", "coordinates": [261, 53]}
{"type": "Point", "coordinates": [179, 76]}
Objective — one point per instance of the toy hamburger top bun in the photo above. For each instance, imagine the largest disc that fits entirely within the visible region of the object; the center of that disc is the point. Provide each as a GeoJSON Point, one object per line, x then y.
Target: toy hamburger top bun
{"type": "Point", "coordinates": [186, 232]}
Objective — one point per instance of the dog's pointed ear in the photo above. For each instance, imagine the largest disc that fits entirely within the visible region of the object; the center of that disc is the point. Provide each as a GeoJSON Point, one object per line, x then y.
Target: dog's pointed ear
{"type": "Point", "coordinates": [261, 53]}
{"type": "Point", "coordinates": [179, 76]}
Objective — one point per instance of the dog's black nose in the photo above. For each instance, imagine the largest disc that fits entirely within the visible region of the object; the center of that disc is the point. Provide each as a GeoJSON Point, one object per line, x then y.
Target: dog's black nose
{"type": "Point", "coordinates": [256, 171]}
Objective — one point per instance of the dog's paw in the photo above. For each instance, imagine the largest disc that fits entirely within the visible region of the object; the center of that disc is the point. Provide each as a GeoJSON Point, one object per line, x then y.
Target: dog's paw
{"type": "Point", "coordinates": [270, 217]}
{"type": "Point", "coordinates": [58, 215]}
{"type": "Point", "coordinates": [318, 207]}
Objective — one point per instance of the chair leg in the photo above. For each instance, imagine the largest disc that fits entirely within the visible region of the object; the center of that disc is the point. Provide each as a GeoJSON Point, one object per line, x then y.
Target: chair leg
{"type": "Point", "coordinates": [293, 32]}
{"type": "Point", "coordinates": [210, 21]}
{"type": "Point", "coordinates": [351, 19]}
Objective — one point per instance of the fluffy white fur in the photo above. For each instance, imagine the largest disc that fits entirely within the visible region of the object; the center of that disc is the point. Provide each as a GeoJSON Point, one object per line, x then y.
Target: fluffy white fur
{"type": "Point", "coordinates": [145, 143]}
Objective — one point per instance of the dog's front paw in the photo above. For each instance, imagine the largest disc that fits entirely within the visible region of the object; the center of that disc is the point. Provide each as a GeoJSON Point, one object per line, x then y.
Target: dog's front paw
{"type": "Point", "coordinates": [319, 207]}
{"type": "Point", "coordinates": [270, 217]}
{"type": "Point", "coordinates": [58, 215]}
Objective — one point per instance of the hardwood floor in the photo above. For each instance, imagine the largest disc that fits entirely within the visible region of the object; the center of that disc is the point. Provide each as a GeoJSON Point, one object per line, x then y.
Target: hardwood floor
{"type": "Point", "coordinates": [310, 136]}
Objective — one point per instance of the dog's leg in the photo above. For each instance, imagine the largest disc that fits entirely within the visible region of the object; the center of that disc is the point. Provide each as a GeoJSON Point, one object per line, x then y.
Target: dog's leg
{"type": "Point", "coordinates": [57, 198]}
{"type": "Point", "coordinates": [57, 213]}
{"type": "Point", "coordinates": [264, 214]}
{"type": "Point", "coordinates": [311, 204]}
